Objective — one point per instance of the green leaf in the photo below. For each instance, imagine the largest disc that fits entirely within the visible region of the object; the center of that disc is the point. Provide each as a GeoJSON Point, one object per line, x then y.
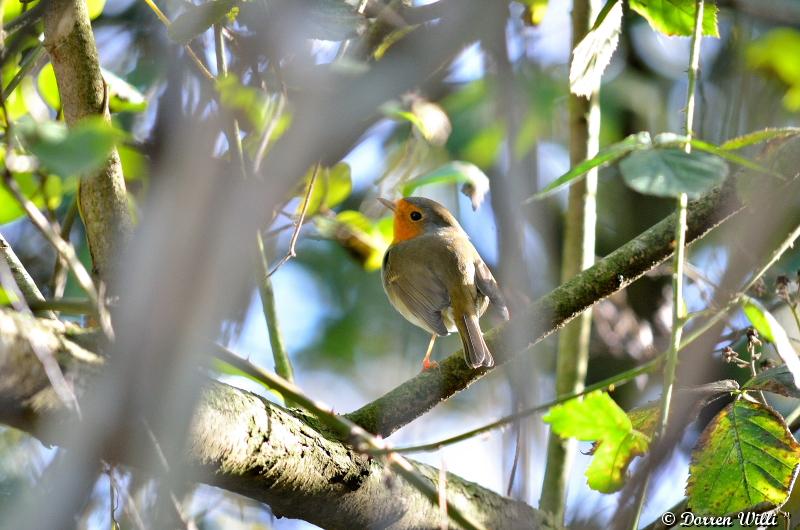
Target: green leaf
{"type": "Point", "coordinates": [198, 18]}
{"type": "Point", "coordinates": [776, 53]}
{"type": "Point", "coordinates": [771, 330]}
{"type": "Point", "coordinates": [670, 172]}
{"type": "Point", "coordinates": [778, 380]}
{"type": "Point", "coordinates": [363, 237]}
{"type": "Point", "coordinates": [596, 417]}
{"type": "Point", "coordinates": [475, 183]}
{"type": "Point", "coordinates": [727, 155]}
{"type": "Point", "coordinates": [757, 137]}
{"type": "Point", "coordinates": [605, 156]}
{"type": "Point", "coordinates": [593, 53]}
{"type": "Point", "coordinates": [123, 96]}
{"type": "Point", "coordinates": [45, 193]}
{"type": "Point", "coordinates": [245, 99]}
{"type": "Point", "coordinates": [429, 120]}
{"type": "Point", "coordinates": [74, 151]}
{"type": "Point", "coordinates": [95, 8]}
{"type": "Point", "coordinates": [746, 459]}
{"type": "Point", "coordinates": [48, 87]}
{"type": "Point", "coordinates": [676, 17]}
{"type": "Point", "coordinates": [7, 297]}
{"type": "Point", "coordinates": [333, 185]}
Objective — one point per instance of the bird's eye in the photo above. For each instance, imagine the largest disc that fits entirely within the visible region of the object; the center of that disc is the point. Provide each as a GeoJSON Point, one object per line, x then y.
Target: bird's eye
{"type": "Point", "coordinates": [416, 216]}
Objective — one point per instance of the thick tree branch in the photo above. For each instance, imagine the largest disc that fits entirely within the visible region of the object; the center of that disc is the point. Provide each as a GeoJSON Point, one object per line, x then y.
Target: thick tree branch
{"type": "Point", "coordinates": [247, 445]}
{"type": "Point", "coordinates": [102, 197]}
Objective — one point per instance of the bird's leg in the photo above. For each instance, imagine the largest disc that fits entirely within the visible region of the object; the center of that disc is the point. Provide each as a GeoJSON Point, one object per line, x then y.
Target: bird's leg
{"type": "Point", "coordinates": [427, 364]}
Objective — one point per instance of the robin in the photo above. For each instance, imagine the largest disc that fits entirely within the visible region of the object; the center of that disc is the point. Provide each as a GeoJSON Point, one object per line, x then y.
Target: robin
{"type": "Point", "coordinates": [436, 279]}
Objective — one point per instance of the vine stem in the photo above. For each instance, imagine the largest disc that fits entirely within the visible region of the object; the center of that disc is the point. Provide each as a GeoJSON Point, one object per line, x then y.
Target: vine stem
{"type": "Point", "coordinates": [678, 310]}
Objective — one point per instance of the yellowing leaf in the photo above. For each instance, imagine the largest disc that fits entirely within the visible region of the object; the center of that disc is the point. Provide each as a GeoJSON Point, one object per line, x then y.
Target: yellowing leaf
{"type": "Point", "coordinates": [746, 459]}
{"type": "Point", "coordinates": [770, 329]}
{"type": "Point", "coordinates": [598, 418]}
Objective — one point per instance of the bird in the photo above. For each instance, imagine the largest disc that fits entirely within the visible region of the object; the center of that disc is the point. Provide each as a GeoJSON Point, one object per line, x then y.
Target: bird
{"type": "Point", "coordinates": [435, 278]}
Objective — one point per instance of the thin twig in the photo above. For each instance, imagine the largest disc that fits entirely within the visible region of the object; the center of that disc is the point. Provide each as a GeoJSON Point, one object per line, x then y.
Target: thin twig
{"type": "Point", "coordinates": [189, 51]}
{"type": "Point", "coordinates": [267, 134]}
{"type": "Point", "coordinates": [362, 440]}
{"type": "Point", "coordinates": [299, 224]}
{"type": "Point", "coordinates": [234, 134]}
{"type": "Point", "coordinates": [283, 366]}
{"type": "Point", "coordinates": [59, 281]}
{"type": "Point", "coordinates": [27, 286]}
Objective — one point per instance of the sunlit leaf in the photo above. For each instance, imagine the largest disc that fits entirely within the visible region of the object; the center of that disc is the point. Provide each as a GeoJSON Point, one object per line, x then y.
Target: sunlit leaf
{"type": "Point", "coordinates": [593, 53]}
{"type": "Point", "coordinates": [746, 459]}
{"type": "Point", "coordinates": [73, 151]}
{"type": "Point", "coordinates": [7, 297]}
{"type": "Point", "coordinates": [249, 101]}
{"type": "Point", "coordinates": [95, 8]}
{"type": "Point", "coordinates": [475, 183]}
{"type": "Point", "coordinates": [676, 17]}
{"type": "Point", "coordinates": [534, 13]}
{"type": "Point", "coordinates": [778, 380]}
{"type": "Point", "coordinates": [670, 172]}
{"type": "Point", "coordinates": [32, 188]}
{"type": "Point", "coordinates": [771, 330]}
{"type": "Point", "coordinates": [757, 137]}
{"type": "Point", "coordinates": [332, 186]}
{"type": "Point", "coordinates": [134, 163]}
{"type": "Point", "coordinates": [596, 417]}
{"type": "Point", "coordinates": [198, 18]}
{"type": "Point", "coordinates": [428, 119]}
{"type": "Point", "coordinates": [365, 239]}
{"type": "Point", "coordinates": [605, 156]}
{"type": "Point", "coordinates": [123, 96]}
{"type": "Point", "coordinates": [776, 53]}
{"type": "Point", "coordinates": [48, 87]}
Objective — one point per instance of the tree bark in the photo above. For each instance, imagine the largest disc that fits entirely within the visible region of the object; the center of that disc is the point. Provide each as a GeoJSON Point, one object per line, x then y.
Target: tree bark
{"type": "Point", "coordinates": [247, 445]}
{"type": "Point", "coordinates": [102, 197]}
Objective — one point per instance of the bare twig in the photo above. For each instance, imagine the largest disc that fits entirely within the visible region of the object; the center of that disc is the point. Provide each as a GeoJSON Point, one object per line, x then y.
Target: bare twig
{"type": "Point", "coordinates": [59, 281]}
{"type": "Point", "coordinates": [267, 134]}
{"type": "Point", "coordinates": [27, 286]}
{"type": "Point", "coordinates": [299, 224]}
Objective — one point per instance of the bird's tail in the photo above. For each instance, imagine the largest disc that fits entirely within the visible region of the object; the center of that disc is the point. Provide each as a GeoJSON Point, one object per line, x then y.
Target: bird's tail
{"type": "Point", "coordinates": [476, 353]}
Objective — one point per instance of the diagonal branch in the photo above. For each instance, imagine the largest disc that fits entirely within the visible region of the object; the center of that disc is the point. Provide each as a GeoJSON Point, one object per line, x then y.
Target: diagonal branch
{"type": "Point", "coordinates": [247, 445]}
{"type": "Point", "coordinates": [619, 269]}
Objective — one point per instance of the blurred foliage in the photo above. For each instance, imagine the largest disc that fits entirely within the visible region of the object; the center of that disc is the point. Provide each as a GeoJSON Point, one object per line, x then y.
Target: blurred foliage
{"type": "Point", "coordinates": [776, 53]}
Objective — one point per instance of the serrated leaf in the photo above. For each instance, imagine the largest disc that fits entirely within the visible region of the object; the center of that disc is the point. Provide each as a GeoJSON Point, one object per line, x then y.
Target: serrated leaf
{"type": "Point", "coordinates": [74, 151]}
{"type": "Point", "coordinates": [594, 417]}
{"type": "Point", "coordinates": [475, 183]}
{"type": "Point", "coordinates": [778, 380]}
{"type": "Point", "coordinates": [605, 156]}
{"type": "Point", "coordinates": [727, 155]}
{"type": "Point", "coordinates": [593, 53]}
{"type": "Point", "coordinates": [598, 418]}
{"type": "Point", "coordinates": [197, 19]}
{"type": "Point", "coordinates": [670, 172]}
{"type": "Point", "coordinates": [770, 329]}
{"type": "Point", "coordinates": [676, 17]}
{"type": "Point", "coordinates": [746, 459]}
{"type": "Point", "coordinates": [757, 137]}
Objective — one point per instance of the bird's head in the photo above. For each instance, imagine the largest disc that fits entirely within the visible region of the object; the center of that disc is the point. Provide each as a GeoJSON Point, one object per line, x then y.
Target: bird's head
{"type": "Point", "coordinates": [414, 216]}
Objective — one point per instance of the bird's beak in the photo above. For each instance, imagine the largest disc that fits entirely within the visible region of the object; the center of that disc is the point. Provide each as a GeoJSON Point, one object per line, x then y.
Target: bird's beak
{"type": "Point", "coordinates": [389, 204]}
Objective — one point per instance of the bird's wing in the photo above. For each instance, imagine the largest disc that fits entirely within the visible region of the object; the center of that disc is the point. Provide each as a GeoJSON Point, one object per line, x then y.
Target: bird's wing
{"type": "Point", "coordinates": [488, 286]}
{"type": "Point", "coordinates": [419, 291]}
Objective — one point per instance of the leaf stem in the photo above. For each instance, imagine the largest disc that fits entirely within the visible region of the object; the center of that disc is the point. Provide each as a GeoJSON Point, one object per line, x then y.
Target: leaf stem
{"type": "Point", "coordinates": [678, 261]}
